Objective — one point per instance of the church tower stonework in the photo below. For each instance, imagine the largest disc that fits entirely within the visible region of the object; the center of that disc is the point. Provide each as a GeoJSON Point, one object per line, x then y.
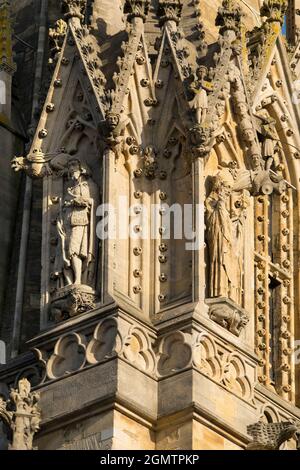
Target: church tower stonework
{"type": "Point", "coordinates": [167, 150]}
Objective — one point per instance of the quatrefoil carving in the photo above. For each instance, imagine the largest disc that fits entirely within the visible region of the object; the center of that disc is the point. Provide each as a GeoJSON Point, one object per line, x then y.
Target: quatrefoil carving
{"type": "Point", "coordinates": [106, 342]}
{"type": "Point", "coordinates": [68, 356]}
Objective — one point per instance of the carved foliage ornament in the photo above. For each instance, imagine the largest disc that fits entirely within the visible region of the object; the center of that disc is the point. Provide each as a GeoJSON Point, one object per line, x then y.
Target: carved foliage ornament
{"type": "Point", "coordinates": [229, 16]}
{"type": "Point", "coordinates": [170, 10]}
{"type": "Point", "coordinates": [274, 10]}
{"type": "Point", "coordinates": [56, 37]}
{"type": "Point", "coordinates": [74, 8]}
{"type": "Point", "coordinates": [21, 415]}
{"type": "Point", "coordinates": [136, 9]}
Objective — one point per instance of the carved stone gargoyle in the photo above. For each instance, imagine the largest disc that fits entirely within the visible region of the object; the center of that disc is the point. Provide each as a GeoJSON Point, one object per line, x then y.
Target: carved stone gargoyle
{"type": "Point", "coordinates": [201, 139]}
{"type": "Point", "coordinates": [21, 416]}
{"type": "Point", "coordinates": [35, 165]}
{"type": "Point", "coordinates": [270, 436]}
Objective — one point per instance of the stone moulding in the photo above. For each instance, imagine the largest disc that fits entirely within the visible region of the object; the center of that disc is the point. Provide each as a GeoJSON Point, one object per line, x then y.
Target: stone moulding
{"type": "Point", "coordinates": [156, 355]}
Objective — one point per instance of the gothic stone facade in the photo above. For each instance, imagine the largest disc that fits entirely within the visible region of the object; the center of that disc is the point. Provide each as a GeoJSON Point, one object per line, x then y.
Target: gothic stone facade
{"type": "Point", "coordinates": [159, 342]}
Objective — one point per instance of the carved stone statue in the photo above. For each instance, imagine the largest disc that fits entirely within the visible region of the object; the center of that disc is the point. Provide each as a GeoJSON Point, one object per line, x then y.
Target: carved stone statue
{"type": "Point", "coordinates": [75, 256]}
{"type": "Point", "coordinates": [74, 264]}
{"type": "Point", "coordinates": [270, 436]}
{"type": "Point", "coordinates": [219, 238]}
{"type": "Point", "coordinates": [76, 250]}
{"type": "Point", "coordinates": [21, 415]}
{"type": "Point", "coordinates": [226, 213]}
{"type": "Point", "coordinates": [270, 138]}
{"type": "Point", "coordinates": [239, 204]}
{"type": "Point", "coordinates": [200, 88]}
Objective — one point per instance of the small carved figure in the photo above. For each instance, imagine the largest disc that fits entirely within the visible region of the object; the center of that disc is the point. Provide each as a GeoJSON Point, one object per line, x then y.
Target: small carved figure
{"type": "Point", "coordinates": [150, 162]}
{"type": "Point", "coordinates": [232, 319]}
{"type": "Point", "coordinates": [200, 88]}
{"type": "Point", "coordinates": [270, 141]}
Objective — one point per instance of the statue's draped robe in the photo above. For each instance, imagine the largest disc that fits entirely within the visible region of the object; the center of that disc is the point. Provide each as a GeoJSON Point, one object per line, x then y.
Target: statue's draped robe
{"type": "Point", "coordinates": [219, 237]}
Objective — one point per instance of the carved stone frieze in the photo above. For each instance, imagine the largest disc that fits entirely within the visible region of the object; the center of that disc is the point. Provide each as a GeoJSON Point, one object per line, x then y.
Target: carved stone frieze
{"type": "Point", "coordinates": [228, 369]}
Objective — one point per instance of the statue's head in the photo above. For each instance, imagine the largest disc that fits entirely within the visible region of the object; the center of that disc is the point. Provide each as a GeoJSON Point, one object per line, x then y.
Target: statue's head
{"type": "Point", "coordinates": [202, 72]}
{"type": "Point", "coordinates": [242, 108]}
{"type": "Point", "coordinates": [244, 320]}
{"type": "Point", "coordinates": [248, 134]}
{"type": "Point", "coordinates": [76, 168]}
{"type": "Point", "coordinates": [112, 120]}
{"type": "Point", "coordinates": [220, 185]}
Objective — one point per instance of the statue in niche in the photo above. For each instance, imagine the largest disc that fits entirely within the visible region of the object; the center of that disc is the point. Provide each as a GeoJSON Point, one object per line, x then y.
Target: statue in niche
{"type": "Point", "coordinates": [225, 222]}
{"type": "Point", "coordinates": [219, 238]}
{"type": "Point", "coordinates": [270, 138]}
{"type": "Point", "coordinates": [76, 249]}
{"type": "Point", "coordinates": [240, 204]}
{"type": "Point", "coordinates": [200, 87]}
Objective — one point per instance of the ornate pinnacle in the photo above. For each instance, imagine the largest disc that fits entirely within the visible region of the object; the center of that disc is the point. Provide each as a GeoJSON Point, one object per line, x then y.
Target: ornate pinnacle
{"type": "Point", "coordinates": [170, 10]}
{"type": "Point", "coordinates": [229, 17]}
{"type": "Point", "coordinates": [23, 417]}
{"type": "Point", "coordinates": [274, 10]}
{"type": "Point", "coordinates": [74, 8]}
{"type": "Point", "coordinates": [136, 9]}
